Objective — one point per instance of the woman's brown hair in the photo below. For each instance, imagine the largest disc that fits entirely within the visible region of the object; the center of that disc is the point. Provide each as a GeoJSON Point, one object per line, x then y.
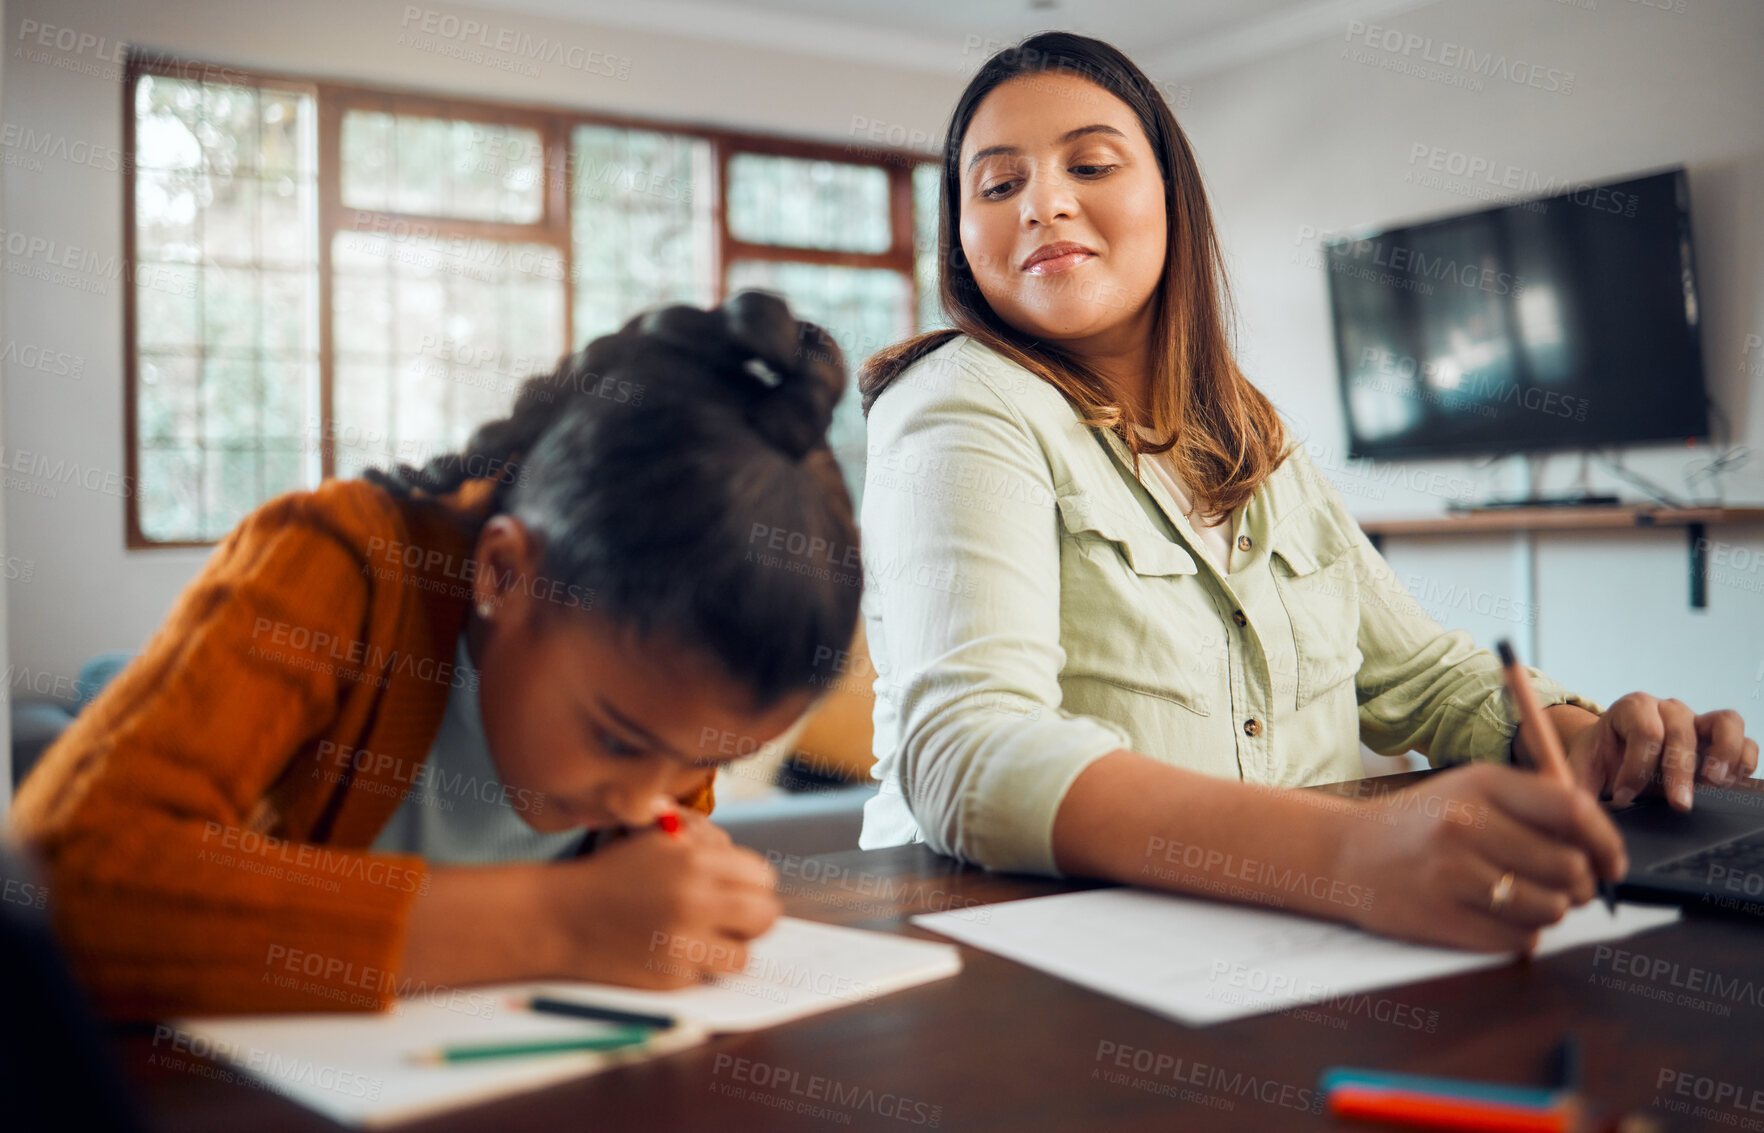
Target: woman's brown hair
{"type": "Point", "coordinates": [1222, 432]}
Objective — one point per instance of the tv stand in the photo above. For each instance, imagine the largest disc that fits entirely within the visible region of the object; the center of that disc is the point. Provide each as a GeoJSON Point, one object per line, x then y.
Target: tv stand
{"type": "Point", "coordinates": [1538, 501]}
{"type": "Point", "coordinates": [1694, 520]}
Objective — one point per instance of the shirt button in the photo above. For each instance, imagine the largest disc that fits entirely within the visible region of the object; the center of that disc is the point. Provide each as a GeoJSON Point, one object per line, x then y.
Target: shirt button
{"type": "Point", "coordinates": [1252, 727]}
{"type": "Point", "coordinates": [1237, 616]}
{"type": "Point", "coordinates": [1243, 542]}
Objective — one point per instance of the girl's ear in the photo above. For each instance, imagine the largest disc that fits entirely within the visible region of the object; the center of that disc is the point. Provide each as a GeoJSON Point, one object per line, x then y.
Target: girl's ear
{"type": "Point", "coordinates": [507, 561]}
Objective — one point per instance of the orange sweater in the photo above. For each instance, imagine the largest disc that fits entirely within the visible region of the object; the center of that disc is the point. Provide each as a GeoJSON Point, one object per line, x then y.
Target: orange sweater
{"type": "Point", "coordinates": [204, 821]}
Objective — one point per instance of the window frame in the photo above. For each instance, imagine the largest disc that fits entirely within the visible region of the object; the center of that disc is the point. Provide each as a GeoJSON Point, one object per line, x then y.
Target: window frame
{"type": "Point", "coordinates": [555, 124]}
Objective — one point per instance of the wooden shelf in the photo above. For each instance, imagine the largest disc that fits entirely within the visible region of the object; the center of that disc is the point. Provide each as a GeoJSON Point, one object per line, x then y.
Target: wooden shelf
{"type": "Point", "coordinates": [1694, 520]}
{"type": "Point", "coordinates": [1561, 519]}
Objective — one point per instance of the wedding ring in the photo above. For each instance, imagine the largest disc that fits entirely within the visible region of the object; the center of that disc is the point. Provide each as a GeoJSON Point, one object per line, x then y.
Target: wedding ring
{"type": "Point", "coordinates": [1501, 893]}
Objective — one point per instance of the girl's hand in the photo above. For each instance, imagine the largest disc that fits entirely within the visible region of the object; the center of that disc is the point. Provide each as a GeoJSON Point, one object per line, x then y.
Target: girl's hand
{"type": "Point", "coordinates": [658, 911]}
{"type": "Point", "coordinates": [1438, 857]}
{"type": "Point", "coordinates": [1641, 741]}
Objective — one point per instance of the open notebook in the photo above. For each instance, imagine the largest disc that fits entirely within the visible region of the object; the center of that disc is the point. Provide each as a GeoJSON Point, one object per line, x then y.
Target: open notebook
{"type": "Point", "coordinates": [363, 1069]}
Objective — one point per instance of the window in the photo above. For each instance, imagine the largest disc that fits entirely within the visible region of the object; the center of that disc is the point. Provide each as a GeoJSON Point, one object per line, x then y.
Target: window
{"type": "Point", "coordinates": [225, 336]}
{"type": "Point", "coordinates": [332, 277]}
{"type": "Point", "coordinates": [448, 275]}
{"type": "Point", "coordinates": [799, 203]}
{"type": "Point", "coordinates": [427, 165]}
{"type": "Point", "coordinates": [642, 223]}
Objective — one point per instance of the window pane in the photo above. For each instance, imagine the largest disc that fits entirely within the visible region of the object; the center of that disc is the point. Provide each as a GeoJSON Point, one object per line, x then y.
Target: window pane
{"type": "Point", "coordinates": [229, 402]}
{"type": "Point", "coordinates": [167, 206]}
{"type": "Point", "coordinates": [641, 222]}
{"type": "Point", "coordinates": [167, 112]}
{"type": "Point", "coordinates": [167, 306]}
{"type": "Point", "coordinates": [231, 486]}
{"type": "Point", "coordinates": [285, 240]}
{"type": "Point", "coordinates": [227, 130]}
{"type": "Point", "coordinates": [287, 406]}
{"type": "Point", "coordinates": [282, 136]}
{"type": "Point", "coordinates": [168, 400]}
{"type": "Point", "coordinates": [448, 167]}
{"type": "Point", "coordinates": [229, 220]}
{"type": "Point", "coordinates": [496, 172]}
{"type": "Point", "coordinates": [367, 159]}
{"type": "Point", "coordinates": [420, 165]}
{"type": "Point", "coordinates": [225, 183]}
{"type": "Point", "coordinates": [864, 309]}
{"type": "Point", "coordinates": [362, 397]}
{"type": "Point", "coordinates": [288, 302]}
{"type": "Point", "coordinates": [283, 471]}
{"type": "Point", "coordinates": [367, 329]}
{"type": "Point", "coordinates": [171, 492]}
{"type": "Point", "coordinates": [927, 192]}
{"type": "Point", "coordinates": [433, 338]}
{"type": "Point", "coordinates": [231, 310]}
{"type": "Point", "coordinates": [808, 204]}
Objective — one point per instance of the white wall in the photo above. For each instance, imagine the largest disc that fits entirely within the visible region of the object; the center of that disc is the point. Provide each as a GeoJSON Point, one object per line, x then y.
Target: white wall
{"type": "Point", "coordinates": [1312, 139]}
{"type": "Point", "coordinates": [88, 594]}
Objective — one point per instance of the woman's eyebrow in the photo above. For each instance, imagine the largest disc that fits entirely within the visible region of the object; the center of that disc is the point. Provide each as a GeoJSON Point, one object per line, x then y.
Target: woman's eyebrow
{"type": "Point", "coordinates": [1068, 136]}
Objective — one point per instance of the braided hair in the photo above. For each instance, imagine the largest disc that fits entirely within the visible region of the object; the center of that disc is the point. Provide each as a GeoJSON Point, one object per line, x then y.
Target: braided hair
{"type": "Point", "coordinates": [678, 470]}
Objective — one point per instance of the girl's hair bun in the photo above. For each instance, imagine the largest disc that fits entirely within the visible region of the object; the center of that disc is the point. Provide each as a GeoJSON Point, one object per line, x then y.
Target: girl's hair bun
{"type": "Point", "coordinates": [789, 374]}
{"type": "Point", "coordinates": [644, 464]}
{"type": "Point", "coordinates": [799, 365]}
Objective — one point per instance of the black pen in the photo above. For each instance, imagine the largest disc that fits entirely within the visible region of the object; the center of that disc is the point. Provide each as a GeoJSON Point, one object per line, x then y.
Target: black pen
{"type": "Point", "coordinates": [551, 1006]}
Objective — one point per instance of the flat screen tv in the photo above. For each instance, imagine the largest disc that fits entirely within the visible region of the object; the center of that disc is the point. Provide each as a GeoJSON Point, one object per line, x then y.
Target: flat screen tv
{"type": "Point", "coordinates": [1563, 322]}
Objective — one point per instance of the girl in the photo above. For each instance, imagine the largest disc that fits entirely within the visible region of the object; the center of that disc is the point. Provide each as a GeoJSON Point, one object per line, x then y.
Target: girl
{"type": "Point", "coordinates": [338, 772]}
{"type": "Point", "coordinates": [1112, 606]}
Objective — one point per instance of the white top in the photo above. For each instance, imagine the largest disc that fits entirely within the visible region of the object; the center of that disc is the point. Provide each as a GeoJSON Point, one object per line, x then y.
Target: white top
{"type": "Point", "coordinates": [1214, 531]}
{"type": "Point", "coordinates": [455, 809]}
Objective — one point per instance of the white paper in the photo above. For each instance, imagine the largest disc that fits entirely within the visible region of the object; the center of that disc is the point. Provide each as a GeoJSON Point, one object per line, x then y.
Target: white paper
{"type": "Point", "coordinates": [359, 1068]}
{"type": "Point", "coordinates": [799, 968]}
{"type": "Point", "coordinates": [1202, 962]}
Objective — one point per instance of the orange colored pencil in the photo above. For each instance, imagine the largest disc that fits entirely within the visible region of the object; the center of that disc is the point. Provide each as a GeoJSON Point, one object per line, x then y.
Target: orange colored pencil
{"type": "Point", "coordinates": [1433, 1112]}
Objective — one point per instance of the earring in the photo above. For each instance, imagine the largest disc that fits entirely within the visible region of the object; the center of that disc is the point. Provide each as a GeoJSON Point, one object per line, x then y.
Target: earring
{"type": "Point", "coordinates": [485, 609]}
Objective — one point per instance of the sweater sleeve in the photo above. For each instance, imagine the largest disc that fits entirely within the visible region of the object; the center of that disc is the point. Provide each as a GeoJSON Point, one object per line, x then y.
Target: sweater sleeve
{"type": "Point", "coordinates": [167, 895]}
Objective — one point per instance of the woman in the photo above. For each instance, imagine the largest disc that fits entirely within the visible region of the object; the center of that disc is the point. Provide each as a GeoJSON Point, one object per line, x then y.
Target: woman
{"type": "Point", "coordinates": [1110, 605]}
{"type": "Point", "coordinates": [345, 767]}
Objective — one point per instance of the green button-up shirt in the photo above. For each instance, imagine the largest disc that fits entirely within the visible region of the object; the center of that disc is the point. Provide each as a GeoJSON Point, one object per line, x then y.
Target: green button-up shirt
{"type": "Point", "coordinates": [1032, 604]}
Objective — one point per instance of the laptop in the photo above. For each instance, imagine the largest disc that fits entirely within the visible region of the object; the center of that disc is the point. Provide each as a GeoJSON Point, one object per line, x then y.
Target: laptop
{"type": "Point", "coordinates": [1710, 860]}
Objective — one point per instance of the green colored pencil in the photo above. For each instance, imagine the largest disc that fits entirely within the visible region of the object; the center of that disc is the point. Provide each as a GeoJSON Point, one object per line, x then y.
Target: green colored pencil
{"type": "Point", "coordinates": [469, 1052]}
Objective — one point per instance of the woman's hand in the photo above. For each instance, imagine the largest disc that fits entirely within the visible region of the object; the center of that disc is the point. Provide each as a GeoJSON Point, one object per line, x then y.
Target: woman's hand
{"type": "Point", "coordinates": [1436, 853]}
{"type": "Point", "coordinates": [1642, 741]}
{"type": "Point", "coordinates": [657, 911]}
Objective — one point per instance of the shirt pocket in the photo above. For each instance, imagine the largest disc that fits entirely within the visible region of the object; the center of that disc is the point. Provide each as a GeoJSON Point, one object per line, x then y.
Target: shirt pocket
{"type": "Point", "coordinates": [1313, 566]}
{"type": "Point", "coordinates": [1133, 612]}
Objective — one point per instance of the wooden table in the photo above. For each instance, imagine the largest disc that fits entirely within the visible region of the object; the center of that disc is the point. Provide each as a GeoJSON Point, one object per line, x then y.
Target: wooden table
{"type": "Point", "coordinates": [1002, 1047]}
